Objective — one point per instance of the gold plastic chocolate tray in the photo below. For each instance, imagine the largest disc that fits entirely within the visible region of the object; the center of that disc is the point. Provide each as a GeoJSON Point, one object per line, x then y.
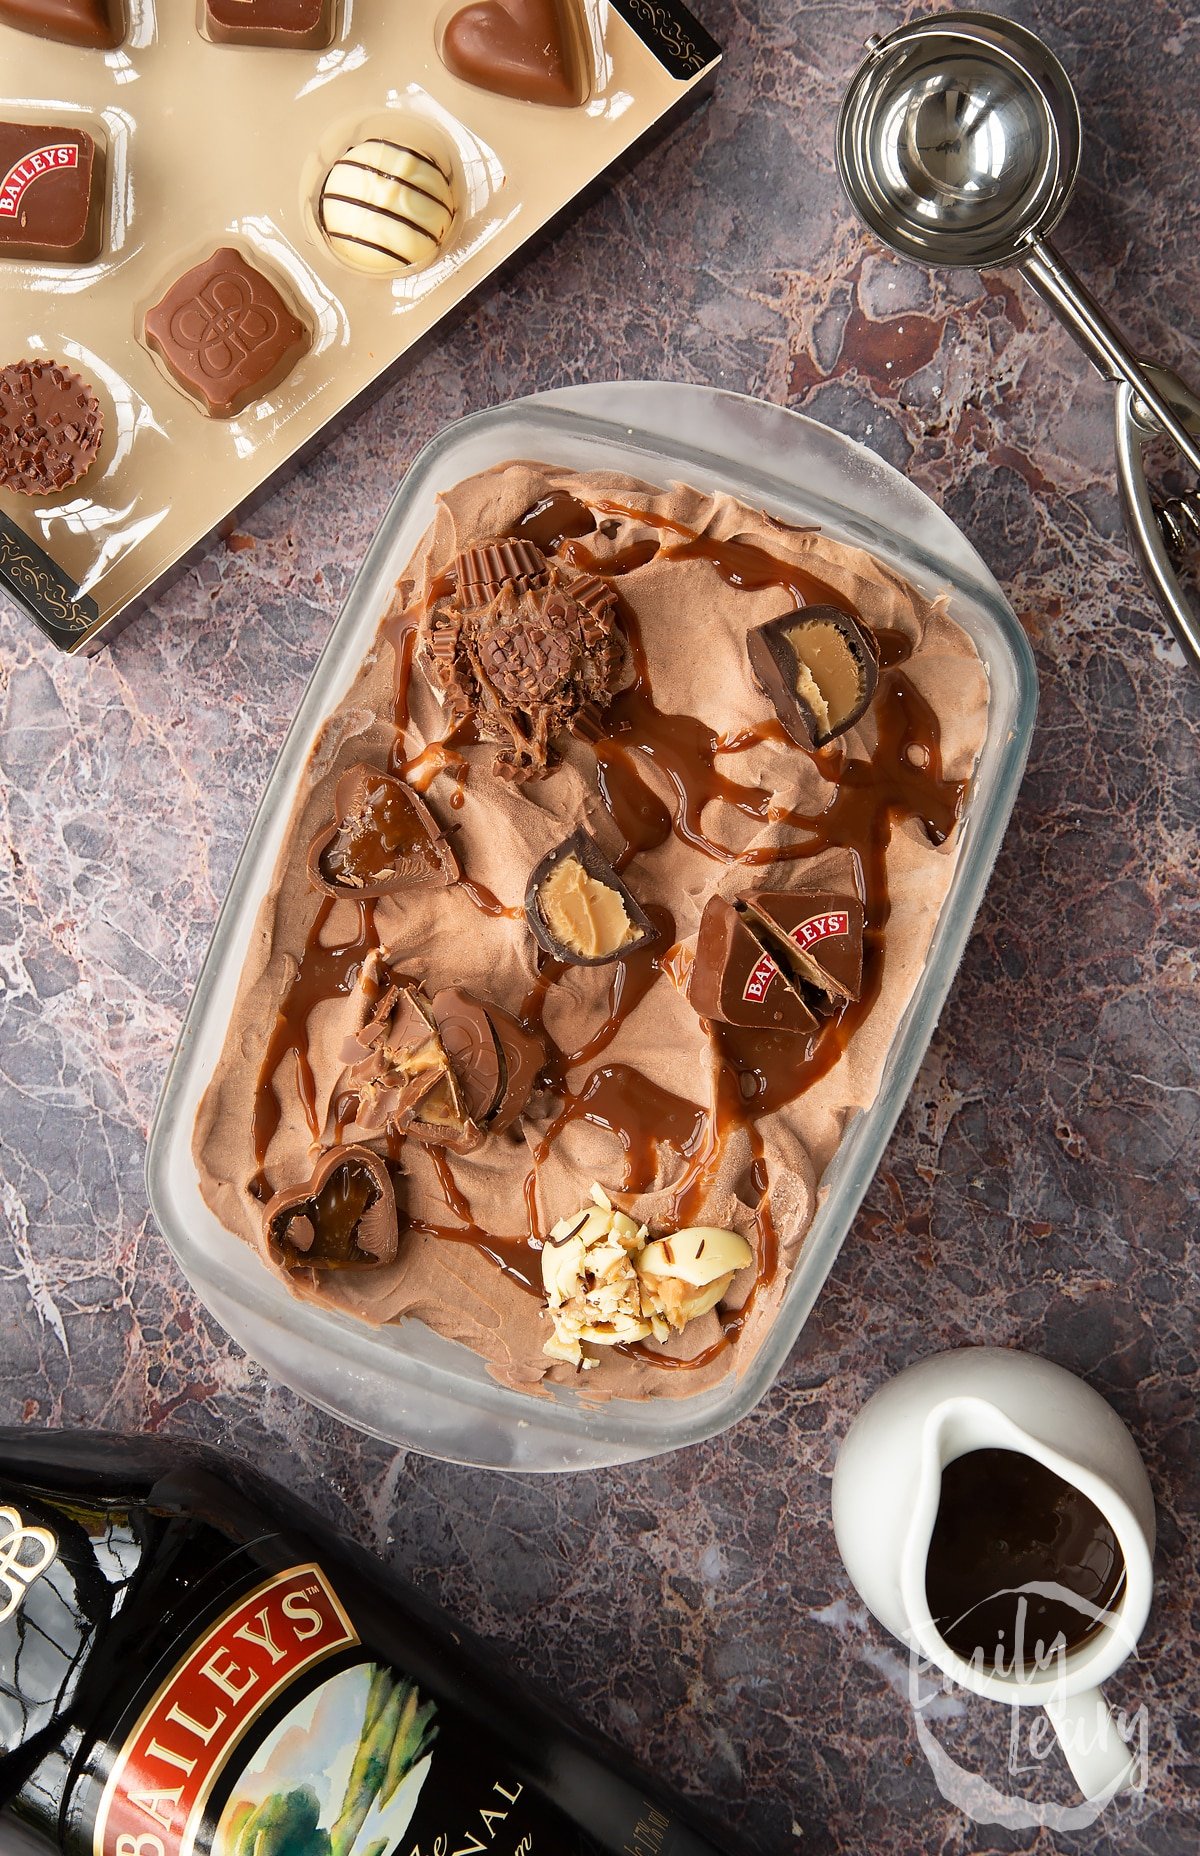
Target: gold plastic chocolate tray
{"type": "Point", "coordinates": [210, 146]}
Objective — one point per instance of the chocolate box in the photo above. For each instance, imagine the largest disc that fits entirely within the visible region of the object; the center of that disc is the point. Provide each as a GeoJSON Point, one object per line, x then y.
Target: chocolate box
{"type": "Point", "coordinates": [243, 297]}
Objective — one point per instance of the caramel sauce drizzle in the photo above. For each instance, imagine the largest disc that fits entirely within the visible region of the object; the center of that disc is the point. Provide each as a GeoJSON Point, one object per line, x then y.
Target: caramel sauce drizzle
{"type": "Point", "coordinates": [756, 1072]}
{"type": "Point", "coordinates": [667, 1118]}
{"type": "Point", "coordinates": [400, 630]}
{"type": "Point", "coordinates": [439, 757]}
{"type": "Point", "coordinates": [487, 902]}
{"type": "Point", "coordinates": [556, 518]}
{"type": "Point", "coordinates": [612, 566]}
{"type": "Point", "coordinates": [322, 973]}
{"type": "Point", "coordinates": [513, 1256]}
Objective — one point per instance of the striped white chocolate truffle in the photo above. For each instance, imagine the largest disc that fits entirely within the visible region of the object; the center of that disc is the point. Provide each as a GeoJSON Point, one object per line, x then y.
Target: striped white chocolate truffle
{"type": "Point", "coordinates": [386, 206]}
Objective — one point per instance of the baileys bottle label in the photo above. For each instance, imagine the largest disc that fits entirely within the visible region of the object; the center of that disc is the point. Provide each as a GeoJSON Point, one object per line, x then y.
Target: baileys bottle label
{"type": "Point", "coordinates": [248, 1748]}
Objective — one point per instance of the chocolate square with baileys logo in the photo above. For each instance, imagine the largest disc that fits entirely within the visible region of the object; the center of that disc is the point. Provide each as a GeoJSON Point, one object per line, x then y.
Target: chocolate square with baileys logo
{"type": "Point", "coordinates": [51, 193]}
{"type": "Point", "coordinates": [735, 978]}
{"type": "Point", "coordinates": [817, 932]}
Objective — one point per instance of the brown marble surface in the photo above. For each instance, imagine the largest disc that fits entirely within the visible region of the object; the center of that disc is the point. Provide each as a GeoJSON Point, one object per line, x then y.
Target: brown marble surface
{"type": "Point", "coordinates": [1041, 1189]}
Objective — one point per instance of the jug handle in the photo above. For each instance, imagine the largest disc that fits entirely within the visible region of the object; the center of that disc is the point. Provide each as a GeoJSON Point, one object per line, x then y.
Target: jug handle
{"type": "Point", "coordinates": [1100, 1760]}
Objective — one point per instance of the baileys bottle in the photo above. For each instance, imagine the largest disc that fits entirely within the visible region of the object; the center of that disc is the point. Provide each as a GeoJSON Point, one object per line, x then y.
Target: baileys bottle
{"type": "Point", "coordinates": [192, 1664]}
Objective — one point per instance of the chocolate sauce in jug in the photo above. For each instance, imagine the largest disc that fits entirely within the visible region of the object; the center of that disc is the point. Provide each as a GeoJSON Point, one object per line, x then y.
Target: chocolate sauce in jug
{"type": "Point", "coordinates": [1019, 1565]}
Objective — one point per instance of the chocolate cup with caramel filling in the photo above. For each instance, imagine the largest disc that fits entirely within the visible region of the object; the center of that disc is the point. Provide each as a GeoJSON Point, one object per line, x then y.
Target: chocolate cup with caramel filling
{"type": "Point", "coordinates": [612, 923]}
{"type": "Point", "coordinates": [736, 980]}
{"type": "Point", "coordinates": [383, 838]}
{"type": "Point", "coordinates": [345, 1218]}
{"type": "Point", "coordinates": [816, 932]}
{"type": "Point", "coordinates": [818, 668]}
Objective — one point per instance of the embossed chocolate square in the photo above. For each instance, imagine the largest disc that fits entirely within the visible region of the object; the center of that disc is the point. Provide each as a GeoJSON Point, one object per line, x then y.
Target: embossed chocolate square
{"type": "Point", "coordinates": [225, 334]}
{"type": "Point", "coordinates": [51, 193]}
{"type": "Point", "coordinates": [303, 25]}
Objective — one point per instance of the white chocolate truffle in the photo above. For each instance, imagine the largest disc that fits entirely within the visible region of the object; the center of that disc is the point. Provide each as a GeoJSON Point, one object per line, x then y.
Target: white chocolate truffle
{"type": "Point", "coordinates": [386, 207]}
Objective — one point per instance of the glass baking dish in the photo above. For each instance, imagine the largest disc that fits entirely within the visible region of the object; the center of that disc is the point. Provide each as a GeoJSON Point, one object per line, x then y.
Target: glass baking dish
{"type": "Point", "coordinates": [404, 1383]}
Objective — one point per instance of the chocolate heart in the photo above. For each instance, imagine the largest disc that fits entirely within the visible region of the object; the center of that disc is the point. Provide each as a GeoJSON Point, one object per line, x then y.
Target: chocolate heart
{"type": "Point", "coordinates": [343, 1218]}
{"type": "Point", "coordinates": [383, 838]}
{"type": "Point", "coordinates": [98, 24]}
{"type": "Point", "coordinates": [525, 49]}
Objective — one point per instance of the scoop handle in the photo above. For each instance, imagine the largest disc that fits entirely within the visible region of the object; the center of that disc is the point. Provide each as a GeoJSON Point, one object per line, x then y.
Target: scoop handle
{"type": "Point", "coordinates": [1141, 517]}
{"type": "Point", "coordinates": [1100, 339]}
{"type": "Point", "coordinates": [1101, 1763]}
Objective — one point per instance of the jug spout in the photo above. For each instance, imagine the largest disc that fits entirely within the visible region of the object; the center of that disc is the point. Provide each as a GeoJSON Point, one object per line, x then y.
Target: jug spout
{"type": "Point", "coordinates": [952, 1428]}
{"type": "Point", "coordinates": [967, 1422]}
{"type": "Point", "coordinates": [886, 1489]}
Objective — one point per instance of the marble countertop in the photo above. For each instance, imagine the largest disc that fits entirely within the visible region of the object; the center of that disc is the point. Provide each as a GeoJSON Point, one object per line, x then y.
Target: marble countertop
{"type": "Point", "coordinates": [1041, 1189]}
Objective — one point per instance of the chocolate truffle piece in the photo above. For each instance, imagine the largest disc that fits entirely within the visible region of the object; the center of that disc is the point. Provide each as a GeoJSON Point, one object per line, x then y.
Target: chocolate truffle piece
{"type": "Point", "coordinates": [469, 1041]}
{"type": "Point", "coordinates": [51, 193]}
{"type": "Point", "coordinates": [580, 911]}
{"type": "Point", "coordinates": [481, 571]}
{"type": "Point", "coordinates": [736, 981]}
{"type": "Point", "coordinates": [306, 25]}
{"type": "Point", "coordinates": [527, 49]}
{"type": "Point", "coordinates": [385, 207]}
{"type": "Point", "coordinates": [50, 427]}
{"type": "Point", "coordinates": [343, 1219]}
{"type": "Point", "coordinates": [402, 1077]}
{"type": "Point", "coordinates": [225, 333]}
{"type": "Point", "coordinates": [97, 24]}
{"type": "Point", "coordinates": [817, 933]}
{"type": "Point", "coordinates": [383, 838]}
{"type": "Point", "coordinates": [522, 1054]}
{"type": "Point", "coordinates": [442, 1119]}
{"type": "Point", "coordinates": [818, 667]}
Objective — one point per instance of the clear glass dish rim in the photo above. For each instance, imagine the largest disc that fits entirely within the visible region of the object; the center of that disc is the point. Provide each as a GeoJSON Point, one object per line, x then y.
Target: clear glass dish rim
{"type": "Point", "coordinates": [615, 1430]}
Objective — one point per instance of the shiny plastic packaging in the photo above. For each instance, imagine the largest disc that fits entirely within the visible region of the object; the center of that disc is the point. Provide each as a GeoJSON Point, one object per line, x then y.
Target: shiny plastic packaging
{"type": "Point", "coordinates": [230, 243]}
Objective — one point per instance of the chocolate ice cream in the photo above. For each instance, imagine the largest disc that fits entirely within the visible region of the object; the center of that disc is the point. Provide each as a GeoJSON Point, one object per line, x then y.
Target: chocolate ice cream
{"type": "Point", "coordinates": [569, 654]}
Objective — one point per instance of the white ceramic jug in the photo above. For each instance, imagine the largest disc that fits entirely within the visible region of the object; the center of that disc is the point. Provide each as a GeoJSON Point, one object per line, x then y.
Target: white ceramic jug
{"type": "Point", "coordinates": [885, 1499]}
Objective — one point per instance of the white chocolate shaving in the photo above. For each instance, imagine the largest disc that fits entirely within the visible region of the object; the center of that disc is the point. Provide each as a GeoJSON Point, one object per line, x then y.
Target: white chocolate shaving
{"type": "Point", "coordinates": [607, 1282]}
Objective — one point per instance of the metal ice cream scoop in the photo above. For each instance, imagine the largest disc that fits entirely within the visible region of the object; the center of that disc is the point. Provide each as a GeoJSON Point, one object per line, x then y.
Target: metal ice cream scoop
{"type": "Point", "coordinates": [958, 143]}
